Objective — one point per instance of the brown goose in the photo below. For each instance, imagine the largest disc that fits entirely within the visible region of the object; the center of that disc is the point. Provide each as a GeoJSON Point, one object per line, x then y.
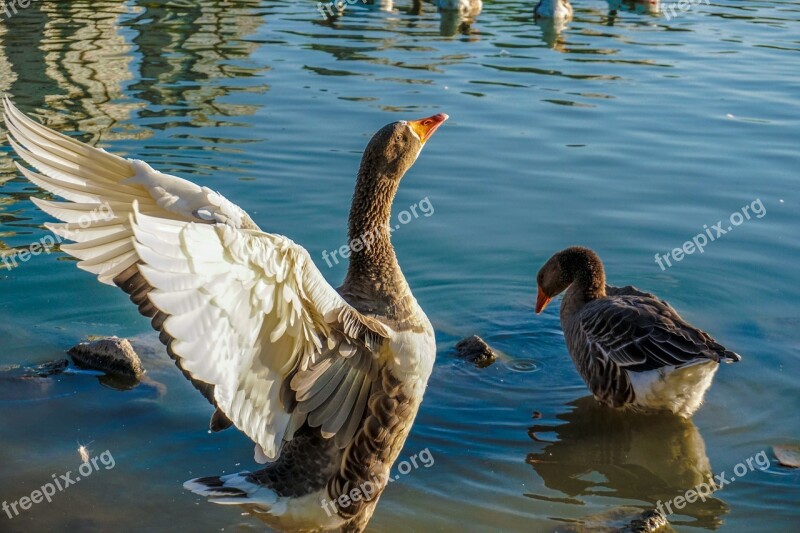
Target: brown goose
{"type": "Point", "coordinates": [326, 383]}
{"type": "Point", "coordinates": [631, 348]}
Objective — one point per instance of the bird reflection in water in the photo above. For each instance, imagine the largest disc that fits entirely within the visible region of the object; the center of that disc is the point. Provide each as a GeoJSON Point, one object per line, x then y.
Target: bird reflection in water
{"type": "Point", "coordinates": [552, 32]}
{"type": "Point", "coordinates": [640, 7]}
{"type": "Point", "coordinates": [333, 9]}
{"type": "Point", "coordinates": [379, 5]}
{"type": "Point", "coordinates": [457, 16]}
{"type": "Point", "coordinates": [604, 452]}
{"type": "Point", "coordinates": [552, 17]}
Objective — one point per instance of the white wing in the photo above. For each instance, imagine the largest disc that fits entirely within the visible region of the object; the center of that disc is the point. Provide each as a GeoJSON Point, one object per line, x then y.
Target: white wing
{"type": "Point", "coordinates": [249, 312]}
{"type": "Point", "coordinates": [102, 188]}
{"type": "Point", "coordinates": [245, 314]}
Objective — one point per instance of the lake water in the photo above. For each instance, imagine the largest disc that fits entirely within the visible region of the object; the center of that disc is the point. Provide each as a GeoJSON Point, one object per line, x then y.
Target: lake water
{"type": "Point", "coordinates": [627, 133]}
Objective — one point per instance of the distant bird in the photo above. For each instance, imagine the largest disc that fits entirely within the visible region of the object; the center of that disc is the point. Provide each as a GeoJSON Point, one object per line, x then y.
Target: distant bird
{"type": "Point", "coordinates": [470, 8]}
{"type": "Point", "coordinates": [631, 348]}
{"type": "Point", "coordinates": [642, 7]}
{"type": "Point", "coordinates": [326, 382]}
{"type": "Point", "coordinates": [558, 10]}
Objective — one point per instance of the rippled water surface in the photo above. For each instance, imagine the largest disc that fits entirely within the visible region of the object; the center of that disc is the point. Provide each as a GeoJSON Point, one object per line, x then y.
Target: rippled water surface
{"type": "Point", "coordinates": [625, 132]}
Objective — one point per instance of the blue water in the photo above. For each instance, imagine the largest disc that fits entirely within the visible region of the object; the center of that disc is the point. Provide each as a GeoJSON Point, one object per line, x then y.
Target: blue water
{"type": "Point", "coordinates": [626, 132]}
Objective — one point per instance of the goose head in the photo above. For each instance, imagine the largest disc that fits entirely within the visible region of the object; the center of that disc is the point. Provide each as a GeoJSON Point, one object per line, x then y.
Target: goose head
{"type": "Point", "coordinates": [390, 153]}
{"type": "Point", "coordinates": [575, 265]}
{"type": "Point", "coordinates": [395, 147]}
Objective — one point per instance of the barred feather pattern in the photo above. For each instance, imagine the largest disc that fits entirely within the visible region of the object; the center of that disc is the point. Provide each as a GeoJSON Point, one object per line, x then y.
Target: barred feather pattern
{"type": "Point", "coordinates": [629, 333]}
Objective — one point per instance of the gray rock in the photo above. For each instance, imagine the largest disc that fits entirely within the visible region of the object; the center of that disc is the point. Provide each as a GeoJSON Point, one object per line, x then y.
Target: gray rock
{"type": "Point", "coordinates": [111, 355]}
{"type": "Point", "coordinates": [476, 351]}
{"type": "Point", "coordinates": [648, 522]}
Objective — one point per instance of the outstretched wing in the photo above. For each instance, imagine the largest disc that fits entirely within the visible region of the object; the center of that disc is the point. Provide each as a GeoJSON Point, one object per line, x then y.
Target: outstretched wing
{"type": "Point", "coordinates": [251, 313]}
{"type": "Point", "coordinates": [245, 314]}
{"type": "Point", "coordinates": [101, 188]}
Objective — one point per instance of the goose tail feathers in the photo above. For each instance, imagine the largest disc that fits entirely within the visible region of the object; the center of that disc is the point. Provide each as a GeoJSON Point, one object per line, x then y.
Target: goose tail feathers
{"type": "Point", "coordinates": [233, 489]}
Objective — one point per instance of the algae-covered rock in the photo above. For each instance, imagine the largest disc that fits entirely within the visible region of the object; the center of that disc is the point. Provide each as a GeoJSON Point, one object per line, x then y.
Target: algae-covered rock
{"type": "Point", "coordinates": [111, 355]}
{"type": "Point", "coordinates": [476, 351]}
{"type": "Point", "coordinates": [648, 522]}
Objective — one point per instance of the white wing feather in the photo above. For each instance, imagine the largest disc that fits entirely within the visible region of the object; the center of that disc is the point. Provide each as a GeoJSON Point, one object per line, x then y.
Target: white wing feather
{"type": "Point", "coordinates": [246, 309]}
{"type": "Point", "coordinates": [103, 187]}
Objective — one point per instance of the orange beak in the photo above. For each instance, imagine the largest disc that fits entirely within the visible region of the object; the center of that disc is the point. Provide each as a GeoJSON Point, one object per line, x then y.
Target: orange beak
{"type": "Point", "coordinates": [542, 300]}
{"type": "Point", "coordinates": [425, 127]}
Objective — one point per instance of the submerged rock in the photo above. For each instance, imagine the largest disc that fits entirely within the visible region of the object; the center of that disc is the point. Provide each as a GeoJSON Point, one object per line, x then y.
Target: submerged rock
{"type": "Point", "coordinates": [47, 369]}
{"type": "Point", "coordinates": [111, 355]}
{"type": "Point", "coordinates": [476, 351]}
{"type": "Point", "coordinates": [43, 370]}
{"type": "Point", "coordinates": [788, 456]}
{"type": "Point", "coordinates": [649, 522]}
{"type": "Point", "coordinates": [623, 519]}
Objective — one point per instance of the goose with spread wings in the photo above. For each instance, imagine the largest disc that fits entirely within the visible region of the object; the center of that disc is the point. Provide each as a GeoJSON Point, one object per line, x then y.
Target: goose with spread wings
{"type": "Point", "coordinates": [631, 348]}
{"type": "Point", "coordinates": [326, 382]}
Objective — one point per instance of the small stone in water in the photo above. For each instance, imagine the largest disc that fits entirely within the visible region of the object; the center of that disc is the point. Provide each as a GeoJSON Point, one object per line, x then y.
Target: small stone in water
{"type": "Point", "coordinates": [647, 522]}
{"type": "Point", "coordinates": [788, 455]}
{"type": "Point", "coordinates": [476, 351]}
{"type": "Point", "coordinates": [111, 355]}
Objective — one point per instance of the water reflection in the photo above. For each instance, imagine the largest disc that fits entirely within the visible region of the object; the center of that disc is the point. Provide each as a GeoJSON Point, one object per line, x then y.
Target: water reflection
{"type": "Point", "coordinates": [332, 10]}
{"type": "Point", "coordinates": [552, 32]}
{"type": "Point", "coordinates": [609, 453]}
{"type": "Point", "coordinates": [641, 7]}
{"type": "Point", "coordinates": [458, 16]}
{"type": "Point", "coordinates": [75, 62]}
{"type": "Point", "coordinates": [455, 16]}
{"type": "Point", "coordinates": [88, 67]}
{"type": "Point", "coordinates": [185, 51]}
{"type": "Point", "coordinates": [369, 44]}
{"type": "Point", "coordinates": [80, 80]}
